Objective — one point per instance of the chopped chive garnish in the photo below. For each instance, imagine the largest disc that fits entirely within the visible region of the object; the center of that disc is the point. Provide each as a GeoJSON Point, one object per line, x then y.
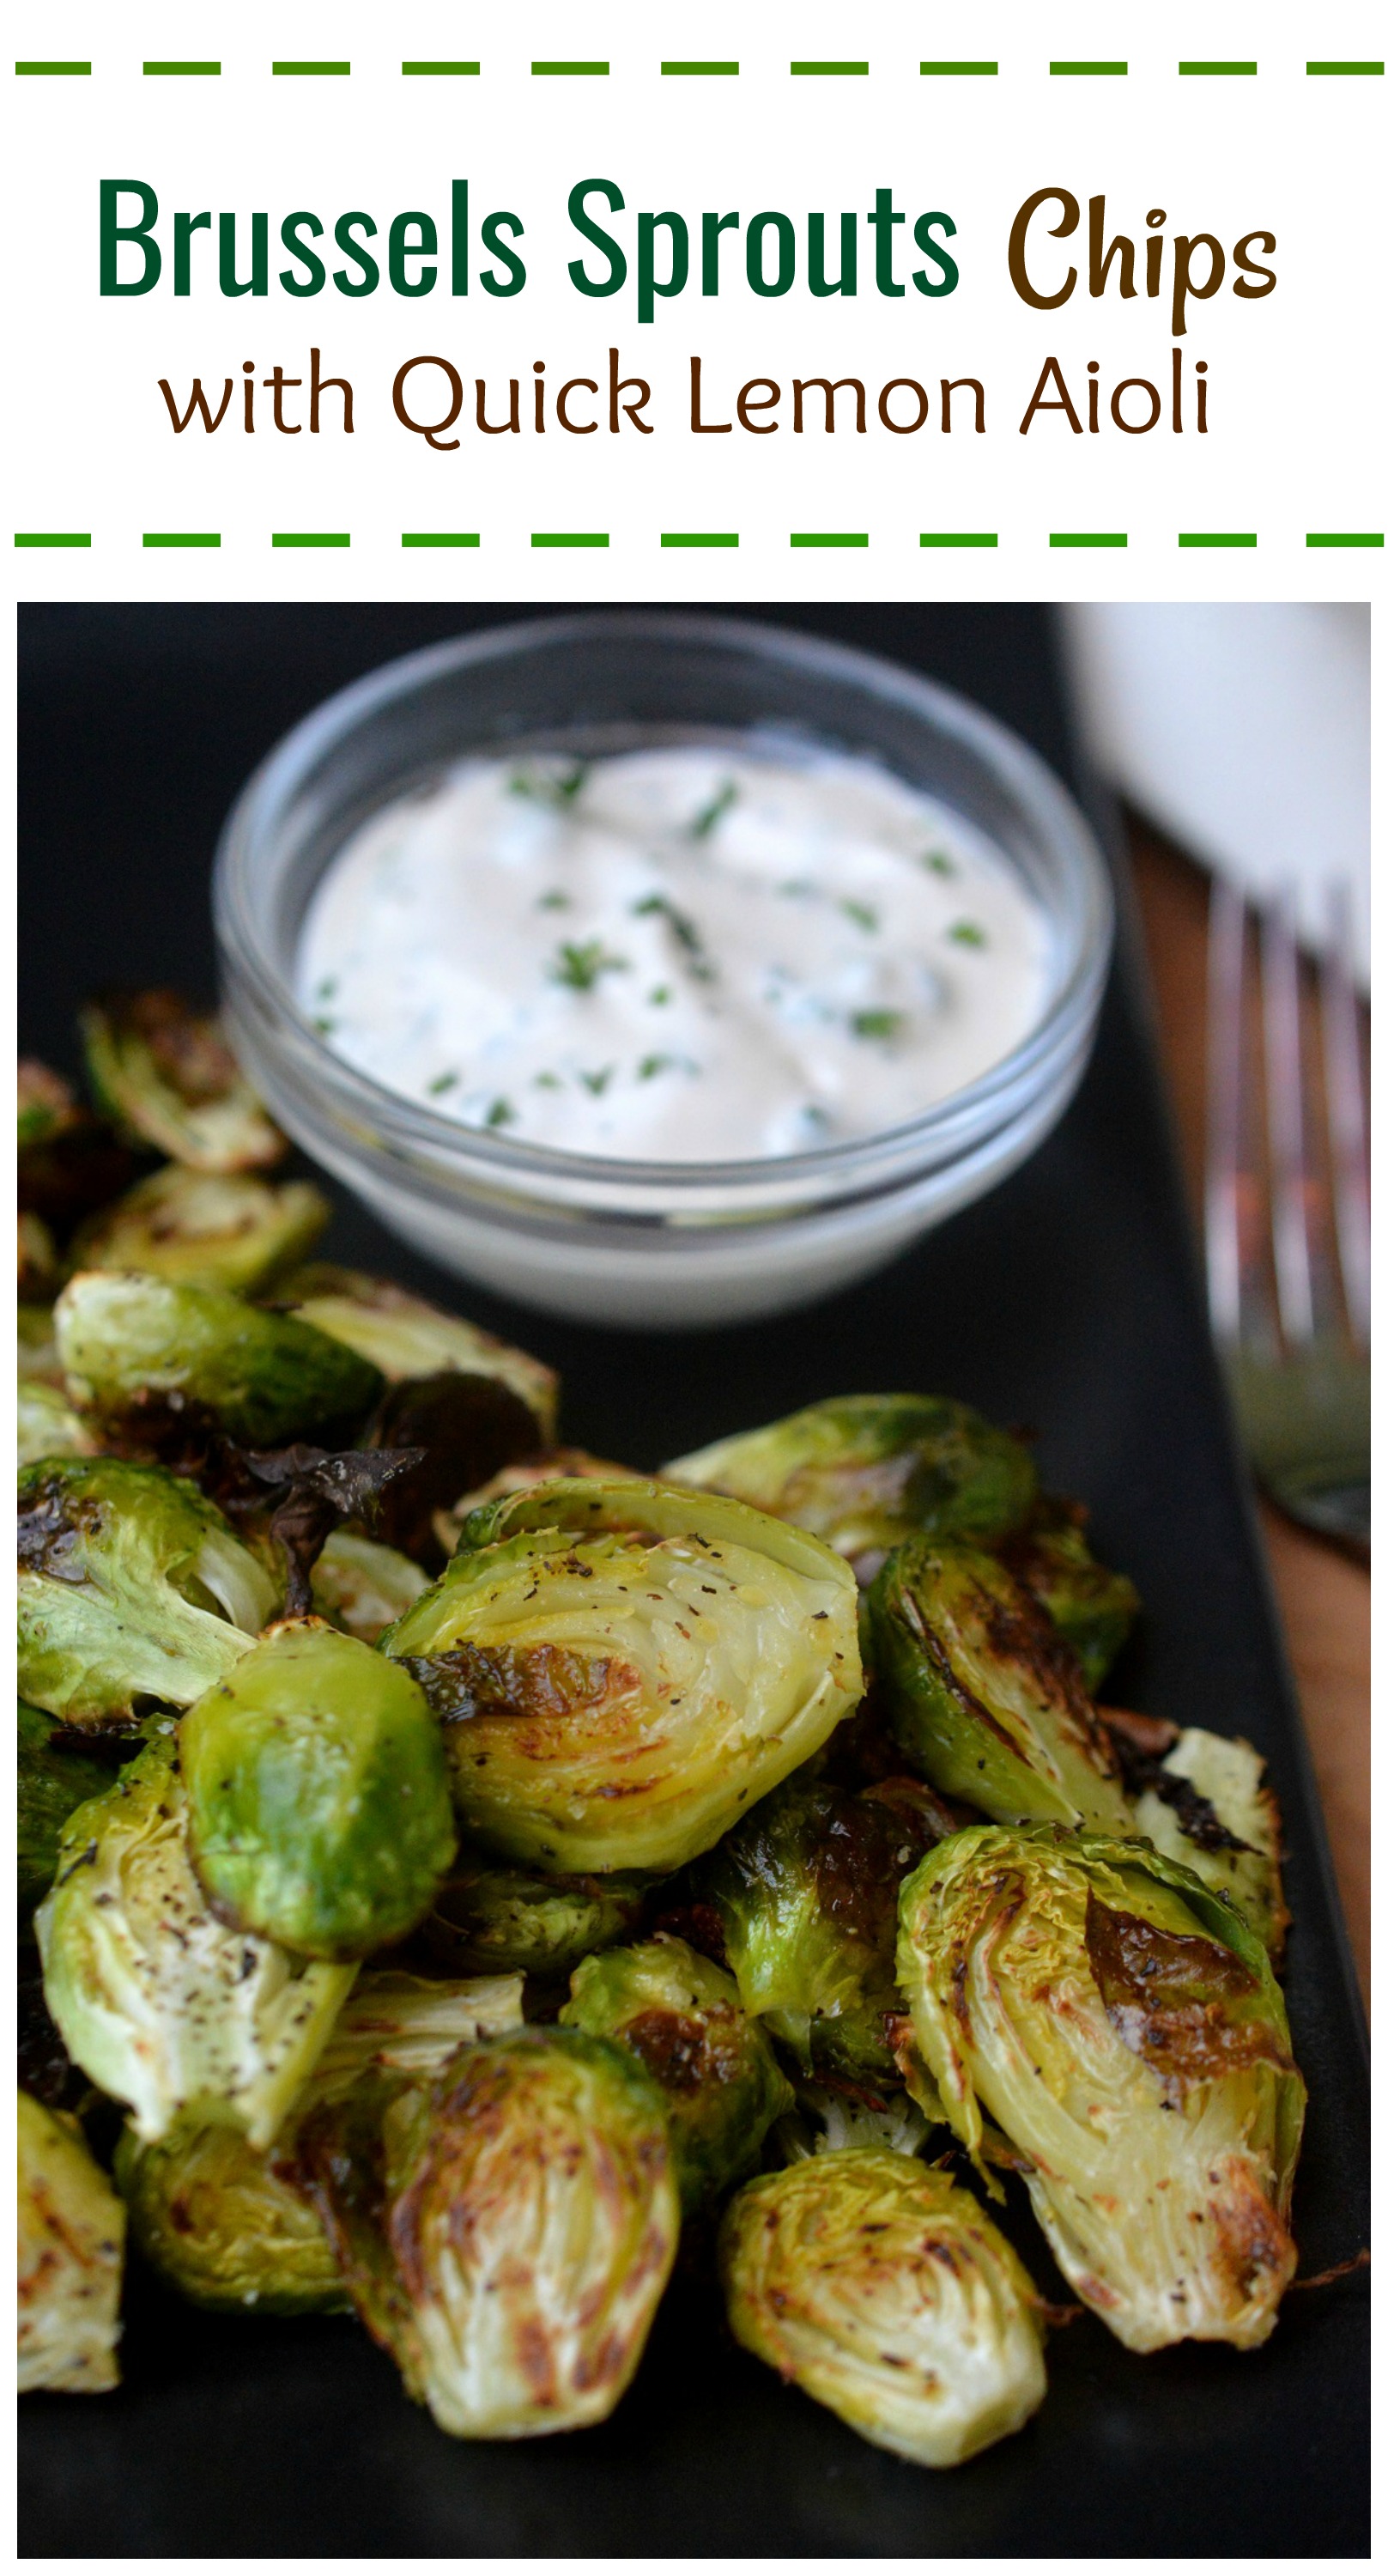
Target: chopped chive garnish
{"type": "Point", "coordinates": [548, 1082]}
{"type": "Point", "coordinates": [651, 1065]}
{"type": "Point", "coordinates": [685, 931]}
{"type": "Point", "coordinates": [555, 901]}
{"type": "Point", "coordinates": [442, 1082]}
{"type": "Point", "coordinates": [876, 1024]}
{"type": "Point", "coordinates": [966, 934]}
{"type": "Point", "coordinates": [813, 1115]}
{"type": "Point", "coordinates": [598, 1082]}
{"type": "Point", "coordinates": [938, 864]}
{"type": "Point", "coordinates": [548, 788]}
{"type": "Point", "coordinates": [500, 1114]}
{"type": "Point", "coordinates": [326, 989]}
{"type": "Point", "coordinates": [796, 886]}
{"type": "Point", "coordinates": [324, 1027]}
{"type": "Point", "coordinates": [862, 913]}
{"type": "Point", "coordinates": [581, 961]}
{"type": "Point", "coordinates": [713, 813]}
{"type": "Point", "coordinates": [659, 995]}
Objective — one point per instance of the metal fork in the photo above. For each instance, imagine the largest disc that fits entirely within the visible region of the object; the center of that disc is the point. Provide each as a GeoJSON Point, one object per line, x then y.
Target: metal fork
{"type": "Point", "coordinates": [1287, 1209]}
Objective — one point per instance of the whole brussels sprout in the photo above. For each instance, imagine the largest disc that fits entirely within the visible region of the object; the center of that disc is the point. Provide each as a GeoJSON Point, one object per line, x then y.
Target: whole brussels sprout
{"type": "Point", "coordinates": [879, 2287]}
{"type": "Point", "coordinates": [50, 1785]}
{"type": "Point", "coordinates": [213, 1230]}
{"type": "Point", "coordinates": [866, 1471]}
{"type": "Point", "coordinates": [71, 2243]}
{"type": "Point", "coordinates": [1093, 1608]}
{"type": "Point", "coordinates": [1122, 2026]}
{"type": "Point", "coordinates": [360, 1586]}
{"type": "Point", "coordinates": [125, 1336]}
{"type": "Point", "coordinates": [405, 1337]}
{"type": "Point", "coordinates": [47, 1426]}
{"type": "Point", "coordinates": [682, 2017]}
{"type": "Point", "coordinates": [983, 1697]}
{"type": "Point", "coordinates": [318, 1808]}
{"type": "Point", "coordinates": [506, 2233]}
{"type": "Point", "coordinates": [1205, 1802]}
{"type": "Point", "coordinates": [165, 1076]}
{"type": "Point", "coordinates": [805, 1889]}
{"type": "Point", "coordinates": [622, 1668]}
{"type": "Point", "coordinates": [490, 1917]}
{"type": "Point", "coordinates": [132, 1588]}
{"type": "Point", "coordinates": [165, 2008]}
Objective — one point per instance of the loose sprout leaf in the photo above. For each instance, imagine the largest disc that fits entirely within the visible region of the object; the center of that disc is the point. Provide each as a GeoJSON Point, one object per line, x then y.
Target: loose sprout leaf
{"type": "Point", "coordinates": [360, 1586]}
{"type": "Point", "coordinates": [50, 1784]}
{"type": "Point", "coordinates": [1203, 1799]}
{"type": "Point", "coordinates": [71, 2242]}
{"type": "Point", "coordinates": [314, 1490]}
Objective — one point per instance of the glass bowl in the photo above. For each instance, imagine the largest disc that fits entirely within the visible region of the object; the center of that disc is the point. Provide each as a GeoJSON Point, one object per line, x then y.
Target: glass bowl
{"type": "Point", "coordinates": [588, 1235]}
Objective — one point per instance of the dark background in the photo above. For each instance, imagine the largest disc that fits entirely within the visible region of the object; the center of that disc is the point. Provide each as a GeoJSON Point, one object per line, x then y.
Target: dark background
{"type": "Point", "coordinates": [1068, 1301]}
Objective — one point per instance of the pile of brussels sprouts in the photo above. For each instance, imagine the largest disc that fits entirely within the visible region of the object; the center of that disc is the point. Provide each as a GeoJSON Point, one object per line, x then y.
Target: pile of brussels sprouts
{"type": "Point", "coordinates": [467, 1875]}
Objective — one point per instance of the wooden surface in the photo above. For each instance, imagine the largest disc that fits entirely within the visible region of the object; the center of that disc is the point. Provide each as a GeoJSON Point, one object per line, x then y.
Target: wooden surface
{"type": "Point", "coordinates": [1324, 1597]}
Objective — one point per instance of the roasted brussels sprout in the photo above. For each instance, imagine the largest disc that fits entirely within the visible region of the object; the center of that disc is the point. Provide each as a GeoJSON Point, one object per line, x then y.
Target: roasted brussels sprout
{"type": "Point", "coordinates": [361, 1586]}
{"type": "Point", "coordinates": [39, 1264]}
{"type": "Point", "coordinates": [405, 1337]}
{"type": "Point", "coordinates": [489, 1917]}
{"type": "Point", "coordinates": [1093, 1608]}
{"type": "Point", "coordinates": [210, 1229]}
{"type": "Point", "coordinates": [805, 1889]}
{"type": "Point", "coordinates": [881, 2289]}
{"type": "Point", "coordinates": [461, 1428]}
{"type": "Point", "coordinates": [508, 2232]}
{"type": "Point", "coordinates": [37, 1358]}
{"type": "Point", "coordinates": [50, 1786]}
{"type": "Point", "coordinates": [865, 1471]}
{"type": "Point", "coordinates": [165, 1076]}
{"type": "Point", "coordinates": [1123, 2027]}
{"type": "Point", "coordinates": [622, 1668]}
{"type": "Point", "coordinates": [1205, 1802]}
{"type": "Point", "coordinates": [395, 2024]}
{"type": "Point", "coordinates": [71, 2240]}
{"type": "Point", "coordinates": [160, 2004]}
{"type": "Point", "coordinates": [318, 1808]}
{"type": "Point", "coordinates": [682, 2017]}
{"type": "Point", "coordinates": [131, 1589]}
{"type": "Point", "coordinates": [47, 1426]}
{"type": "Point", "coordinates": [125, 1336]}
{"type": "Point", "coordinates": [983, 1697]}
{"type": "Point", "coordinates": [68, 1160]}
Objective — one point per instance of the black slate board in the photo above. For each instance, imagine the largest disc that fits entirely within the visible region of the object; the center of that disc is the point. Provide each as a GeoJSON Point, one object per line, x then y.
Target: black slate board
{"type": "Point", "coordinates": [1068, 1301]}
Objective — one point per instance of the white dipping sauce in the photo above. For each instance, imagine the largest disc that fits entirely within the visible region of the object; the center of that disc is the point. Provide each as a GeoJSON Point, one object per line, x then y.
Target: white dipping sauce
{"type": "Point", "coordinates": [675, 955]}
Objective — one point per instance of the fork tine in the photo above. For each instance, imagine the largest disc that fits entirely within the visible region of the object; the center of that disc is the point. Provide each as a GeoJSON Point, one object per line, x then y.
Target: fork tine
{"type": "Point", "coordinates": [1224, 1082]}
{"type": "Point", "coordinates": [1286, 1116]}
{"type": "Point", "coordinates": [1344, 1095]}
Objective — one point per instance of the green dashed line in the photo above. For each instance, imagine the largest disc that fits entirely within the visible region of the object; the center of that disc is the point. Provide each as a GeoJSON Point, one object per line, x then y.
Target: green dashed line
{"type": "Point", "coordinates": [829, 71]}
{"type": "Point", "coordinates": [585, 538]}
{"type": "Point", "coordinates": [1098, 71]}
{"type": "Point", "coordinates": [310, 71]}
{"type": "Point", "coordinates": [439, 537]}
{"type": "Point", "coordinates": [1362, 537]}
{"type": "Point", "coordinates": [1360, 71]}
{"type": "Point", "coordinates": [700, 71]}
{"type": "Point", "coordinates": [947, 71]}
{"type": "Point", "coordinates": [438, 71]}
{"type": "Point", "coordinates": [817, 538]}
{"type": "Point", "coordinates": [956, 537]}
{"type": "Point", "coordinates": [66, 538]}
{"type": "Point", "coordinates": [182, 71]}
{"type": "Point", "coordinates": [1201, 537]}
{"type": "Point", "coordinates": [298, 537]}
{"type": "Point", "coordinates": [689, 537]}
{"type": "Point", "coordinates": [66, 71]}
{"type": "Point", "coordinates": [1217, 71]}
{"type": "Point", "coordinates": [1087, 537]}
{"type": "Point", "coordinates": [161, 537]}
{"type": "Point", "coordinates": [574, 71]}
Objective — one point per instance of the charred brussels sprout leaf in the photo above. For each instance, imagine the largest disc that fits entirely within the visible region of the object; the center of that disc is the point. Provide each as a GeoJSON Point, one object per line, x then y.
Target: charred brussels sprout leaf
{"type": "Point", "coordinates": [132, 1588]}
{"type": "Point", "coordinates": [1205, 1802]}
{"type": "Point", "coordinates": [209, 1229]}
{"type": "Point", "coordinates": [683, 2018]}
{"type": "Point", "coordinates": [1093, 1608]}
{"type": "Point", "coordinates": [489, 1917]}
{"type": "Point", "coordinates": [125, 1335]}
{"type": "Point", "coordinates": [312, 1490]}
{"type": "Point", "coordinates": [161, 2005]}
{"type": "Point", "coordinates": [865, 1471]}
{"type": "Point", "coordinates": [47, 1426]}
{"type": "Point", "coordinates": [318, 1808]}
{"type": "Point", "coordinates": [1122, 2026]}
{"type": "Point", "coordinates": [405, 1337]}
{"type": "Point", "coordinates": [805, 1890]}
{"type": "Point", "coordinates": [879, 2287]}
{"type": "Point", "coordinates": [71, 2241]}
{"type": "Point", "coordinates": [622, 1668]}
{"type": "Point", "coordinates": [212, 2215]}
{"type": "Point", "coordinates": [165, 1076]}
{"type": "Point", "coordinates": [361, 1586]}
{"type": "Point", "coordinates": [983, 1697]}
{"type": "Point", "coordinates": [50, 1785]}
{"type": "Point", "coordinates": [508, 2232]}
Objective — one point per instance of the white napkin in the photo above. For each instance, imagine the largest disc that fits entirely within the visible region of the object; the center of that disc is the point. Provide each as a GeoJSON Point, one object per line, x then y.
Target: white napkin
{"type": "Point", "coordinates": [1242, 729]}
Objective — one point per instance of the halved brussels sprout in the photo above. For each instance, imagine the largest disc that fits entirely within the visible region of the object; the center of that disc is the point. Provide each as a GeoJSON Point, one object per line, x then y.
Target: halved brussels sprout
{"type": "Point", "coordinates": [39, 1263]}
{"type": "Point", "coordinates": [878, 2286]}
{"type": "Point", "coordinates": [805, 1889]}
{"type": "Point", "coordinates": [507, 2233]}
{"type": "Point", "coordinates": [318, 1808]}
{"type": "Point", "coordinates": [50, 1785]}
{"type": "Point", "coordinates": [1093, 1608]}
{"type": "Point", "coordinates": [683, 2018]}
{"type": "Point", "coordinates": [1206, 1803]}
{"type": "Point", "coordinates": [160, 2004]}
{"type": "Point", "coordinates": [489, 1917]}
{"type": "Point", "coordinates": [132, 1588]}
{"type": "Point", "coordinates": [361, 1586]}
{"type": "Point", "coordinates": [404, 1336]}
{"type": "Point", "coordinates": [622, 1668]}
{"type": "Point", "coordinates": [47, 1426]}
{"type": "Point", "coordinates": [1123, 2027]}
{"type": "Point", "coordinates": [165, 1076]}
{"type": "Point", "coordinates": [865, 1471]}
{"type": "Point", "coordinates": [981, 1694]}
{"type": "Point", "coordinates": [211, 1229]}
{"type": "Point", "coordinates": [124, 1336]}
{"type": "Point", "coordinates": [71, 2241]}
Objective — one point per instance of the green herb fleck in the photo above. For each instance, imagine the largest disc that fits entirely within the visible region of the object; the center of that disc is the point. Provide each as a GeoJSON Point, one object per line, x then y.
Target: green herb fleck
{"type": "Point", "coordinates": [685, 931]}
{"type": "Point", "coordinates": [442, 1082]}
{"type": "Point", "coordinates": [862, 913]}
{"type": "Point", "coordinates": [326, 989]}
{"type": "Point", "coordinates": [938, 864]}
{"type": "Point", "coordinates": [581, 961]}
{"type": "Point", "coordinates": [876, 1024]}
{"type": "Point", "coordinates": [597, 1082]}
{"type": "Point", "coordinates": [813, 1115]}
{"type": "Point", "coordinates": [325, 1028]}
{"type": "Point", "coordinates": [659, 995]}
{"type": "Point", "coordinates": [651, 1065]}
{"type": "Point", "coordinates": [548, 1082]}
{"type": "Point", "coordinates": [712, 814]}
{"type": "Point", "coordinates": [555, 901]}
{"type": "Point", "coordinates": [500, 1114]}
{"type": "Point", "coordinates": [966, 934]}
{"type": "Point", "coordinates": [547, 786]}
{"type": "Point", "coordinates": [796, 886]}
